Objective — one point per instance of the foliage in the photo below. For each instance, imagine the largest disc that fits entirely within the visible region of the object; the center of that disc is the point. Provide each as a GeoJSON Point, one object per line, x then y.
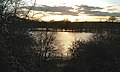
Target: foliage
{"type": "Point", "coordinates": [112, 18]}
{"type": "Point", "coordinates": [100, 54]}
{"type": "Point", "coordinates": [17, 46]}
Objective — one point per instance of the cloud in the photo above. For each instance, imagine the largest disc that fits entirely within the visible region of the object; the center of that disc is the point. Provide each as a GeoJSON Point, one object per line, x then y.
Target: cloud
{"type": "Point", "coordinates": [62, 9]}
{"type": "Point", "coordinates": [87, 8]}
{"type": "Point", "coordinates": [98, 11]}
{"type": "Point", "coordinates": [81, 9]}
{"type": "Point", "coordinates": [113, 8]}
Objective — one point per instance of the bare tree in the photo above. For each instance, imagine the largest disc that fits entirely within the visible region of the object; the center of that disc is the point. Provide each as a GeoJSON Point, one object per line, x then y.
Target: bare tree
{"type": "Point", "coordinates": [8, 8]}
{"type": "Point", "coordinates": [46, 45]}
{"type": "Point", "coordinates": [16, 49]}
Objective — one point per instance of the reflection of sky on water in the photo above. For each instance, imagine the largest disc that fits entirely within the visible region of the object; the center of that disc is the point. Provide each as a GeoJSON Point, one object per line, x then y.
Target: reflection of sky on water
{"type": "Point", "coordinates": [66, 39]}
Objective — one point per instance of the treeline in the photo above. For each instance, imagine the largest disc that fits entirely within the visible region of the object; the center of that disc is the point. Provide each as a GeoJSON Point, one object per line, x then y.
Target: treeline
{"type": "Point", "coordinates": [22, 23]}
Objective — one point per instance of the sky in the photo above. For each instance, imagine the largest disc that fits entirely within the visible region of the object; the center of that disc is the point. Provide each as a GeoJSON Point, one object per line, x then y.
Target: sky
{"type": "Point", "coordinates": [75, 10]}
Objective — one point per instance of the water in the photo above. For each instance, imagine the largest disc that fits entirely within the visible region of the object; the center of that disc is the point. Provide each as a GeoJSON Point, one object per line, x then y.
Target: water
{"type": "Point", "coordinates": [63, 40]}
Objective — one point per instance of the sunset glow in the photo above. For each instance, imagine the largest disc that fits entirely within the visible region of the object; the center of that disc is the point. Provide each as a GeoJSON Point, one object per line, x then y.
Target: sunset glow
{"type": "Point", "coordinates": [74, 10]}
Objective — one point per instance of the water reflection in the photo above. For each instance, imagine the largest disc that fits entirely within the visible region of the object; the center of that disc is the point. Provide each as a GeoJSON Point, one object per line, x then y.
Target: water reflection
{"type": "Point", "coordinates": [64, 40]}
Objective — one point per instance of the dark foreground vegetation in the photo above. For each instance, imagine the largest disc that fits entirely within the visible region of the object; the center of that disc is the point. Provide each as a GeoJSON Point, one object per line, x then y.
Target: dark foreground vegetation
{"type": "Point", "coordinates": [100, 54]}
{"type": "Point", "coordinates": [20, 52]}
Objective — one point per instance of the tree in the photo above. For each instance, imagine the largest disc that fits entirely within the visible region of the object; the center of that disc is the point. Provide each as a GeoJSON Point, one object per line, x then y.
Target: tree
{"type": "Point", "coordinates": [46, 45]}
{"type": "Point", "coordinates": [100, 54]}
{"type": "Point", "coordinates": [65, 20]}
{"type": "Point", "coordinates": [8, 8]}
{"type": "Point", "coordinates": [112, 19]}
{"type": "Point", "coordinates": [16, 47]}
{"type": "Point", "coordinates": [19, 50]}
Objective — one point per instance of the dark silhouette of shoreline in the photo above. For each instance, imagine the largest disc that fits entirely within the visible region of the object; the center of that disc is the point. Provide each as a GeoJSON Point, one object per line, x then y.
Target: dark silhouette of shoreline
{"type": "Point", "coordinates": [30, 24]}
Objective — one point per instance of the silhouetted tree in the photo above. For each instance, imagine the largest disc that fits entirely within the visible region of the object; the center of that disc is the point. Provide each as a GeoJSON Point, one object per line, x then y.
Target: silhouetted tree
{"type": "Point", "coordinates": [47, 45]}
{"type": "Point", "coordinates": [112, 18]}
{"type": "Point", "coordinates": [100, 54]}
{"type": "Point", "coordinates": [17, 48]}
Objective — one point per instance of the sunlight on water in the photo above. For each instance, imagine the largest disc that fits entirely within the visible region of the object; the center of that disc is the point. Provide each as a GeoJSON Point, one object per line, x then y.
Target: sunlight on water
{"type": "Point", "coordinates": [65, 40]}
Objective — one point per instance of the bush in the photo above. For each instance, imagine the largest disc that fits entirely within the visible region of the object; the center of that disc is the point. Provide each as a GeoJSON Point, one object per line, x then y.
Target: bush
{"type": "Point", "coordinates": [100, 54]}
